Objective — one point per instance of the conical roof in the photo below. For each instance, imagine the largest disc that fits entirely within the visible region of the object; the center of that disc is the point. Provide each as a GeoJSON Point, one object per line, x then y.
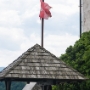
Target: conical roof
{"type": "Point", "coordinates": [38, 63]}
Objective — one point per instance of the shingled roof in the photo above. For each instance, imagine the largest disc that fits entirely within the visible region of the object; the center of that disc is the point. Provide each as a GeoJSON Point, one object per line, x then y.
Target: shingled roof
{"type": "Point", "coordinates": [38, 63]}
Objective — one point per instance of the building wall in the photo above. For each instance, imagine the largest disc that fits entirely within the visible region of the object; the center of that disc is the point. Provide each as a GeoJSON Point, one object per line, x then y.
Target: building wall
{"type": "Point", "coordinates": [86, 15]}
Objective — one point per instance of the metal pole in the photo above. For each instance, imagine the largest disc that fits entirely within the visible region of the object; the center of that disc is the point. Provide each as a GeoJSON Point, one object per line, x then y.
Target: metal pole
{"type": "Point", "coordinates": [42, 30]}
{"type": "Point", "coordinates": [80, 18]}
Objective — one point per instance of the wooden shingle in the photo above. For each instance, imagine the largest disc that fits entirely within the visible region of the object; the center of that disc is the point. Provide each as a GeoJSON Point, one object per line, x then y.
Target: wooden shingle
{"type": "Point", "coordinates": [39, 63]}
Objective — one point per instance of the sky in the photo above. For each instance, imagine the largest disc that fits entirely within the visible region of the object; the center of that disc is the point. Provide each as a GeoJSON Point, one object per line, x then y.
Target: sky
{"type": "Point", "coordinates": [20, 27]}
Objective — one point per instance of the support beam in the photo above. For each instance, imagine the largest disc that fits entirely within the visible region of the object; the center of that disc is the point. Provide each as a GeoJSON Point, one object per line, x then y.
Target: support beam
{"type": "Point", "coordinates": [28, 82]}
{"type": "Point", "coordinates": [47, 87]}
{"type": "Point", "coordinates": [8, 84]}
{"type": "Point", "coordinates": [42, 87]}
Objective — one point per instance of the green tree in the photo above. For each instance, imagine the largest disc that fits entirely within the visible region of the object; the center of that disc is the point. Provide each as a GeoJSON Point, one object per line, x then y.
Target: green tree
{"type": "Point", "coordinates": [78, 57]}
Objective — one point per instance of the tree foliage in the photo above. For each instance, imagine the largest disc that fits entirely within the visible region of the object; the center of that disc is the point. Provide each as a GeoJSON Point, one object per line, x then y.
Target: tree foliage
{"type": "Point", "coordinates": [78, 57]}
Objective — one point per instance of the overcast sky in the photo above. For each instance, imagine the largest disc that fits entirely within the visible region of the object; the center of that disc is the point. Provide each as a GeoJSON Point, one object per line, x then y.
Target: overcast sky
{"type": "Point", "coordinates": [20, 27]}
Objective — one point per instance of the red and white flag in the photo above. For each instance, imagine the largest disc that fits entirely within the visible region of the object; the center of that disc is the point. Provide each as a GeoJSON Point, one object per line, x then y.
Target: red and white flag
{"type": "Point", "coordinates": [44, 12]}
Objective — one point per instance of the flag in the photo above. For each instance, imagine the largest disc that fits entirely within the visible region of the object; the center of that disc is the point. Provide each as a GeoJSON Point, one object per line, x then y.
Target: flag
{"type": "Point", "coordinates": [44, 12]}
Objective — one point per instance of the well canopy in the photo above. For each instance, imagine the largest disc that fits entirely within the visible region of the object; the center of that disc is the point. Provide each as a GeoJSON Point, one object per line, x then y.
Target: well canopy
{"type": "Point", "coordinates": [37, 63]}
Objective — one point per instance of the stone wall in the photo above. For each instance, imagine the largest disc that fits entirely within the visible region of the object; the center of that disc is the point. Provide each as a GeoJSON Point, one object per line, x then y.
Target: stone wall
{"type": "Point", "coordinates": [86, 15]}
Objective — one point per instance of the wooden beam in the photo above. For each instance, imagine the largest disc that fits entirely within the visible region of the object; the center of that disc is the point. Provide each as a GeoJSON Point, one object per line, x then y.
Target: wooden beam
{"type": "Point", "coordinates": [50, 87]}
{"type": "Point", "coordinates": [28, 82]}
{"type": "Point", "coordinates": [42, 87]}
{"type": "Point", "coordinates": [8, 84]}
{"type": "Point", "coordinates": [47, 87]}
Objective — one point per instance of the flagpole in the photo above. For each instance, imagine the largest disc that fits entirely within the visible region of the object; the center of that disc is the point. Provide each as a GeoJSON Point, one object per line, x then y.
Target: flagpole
{"type": "Point", "coordinates": [42, 31]}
